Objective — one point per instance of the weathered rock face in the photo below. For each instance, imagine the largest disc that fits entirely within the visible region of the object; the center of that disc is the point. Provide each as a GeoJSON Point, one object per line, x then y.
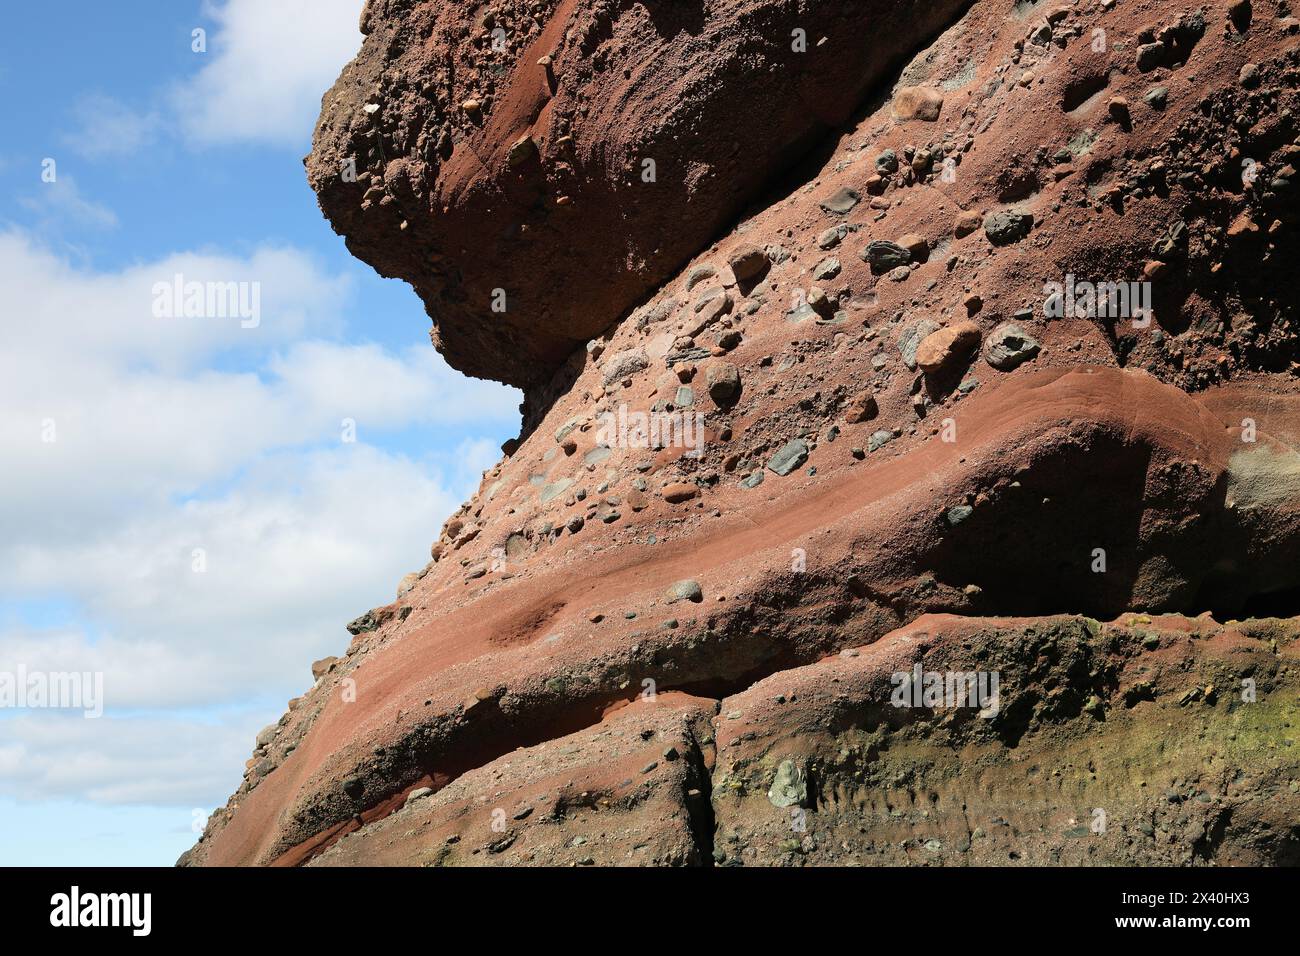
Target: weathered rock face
{"type": "Point", "coordinates": [994, 742]}
{"type": "Point", "coordinates": [533, 169]}
{"type": "Point", "coordinates": [632, 791]}
{"type": "Point", "coordinates": [953, 741]}
{"type": "Point", "coordinates": [765, 465]}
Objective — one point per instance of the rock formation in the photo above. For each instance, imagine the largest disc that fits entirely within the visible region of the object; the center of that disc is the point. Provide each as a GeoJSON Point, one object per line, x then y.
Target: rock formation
{"type": "Point", "coordinates": [534, 169]}
{"type": "Point", "coordinates": [950, 346]}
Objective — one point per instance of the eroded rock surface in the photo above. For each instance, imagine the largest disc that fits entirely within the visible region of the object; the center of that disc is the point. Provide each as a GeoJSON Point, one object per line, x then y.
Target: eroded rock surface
{"type": "Point", "coordinates": [633, 790]}
{"type": "Point", "coordinates": [1147, 741]}
{"type": "Point", "coordinates": [534, 169]}
{"type": "Point", "coordinates": [1052, 373]}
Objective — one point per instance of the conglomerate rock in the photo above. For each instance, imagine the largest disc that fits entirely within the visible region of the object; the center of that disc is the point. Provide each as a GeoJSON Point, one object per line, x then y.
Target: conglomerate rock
{"type": "Point", "coordinates": [740, 507]}
{"type": "Point", "coordinates": [534, 169]}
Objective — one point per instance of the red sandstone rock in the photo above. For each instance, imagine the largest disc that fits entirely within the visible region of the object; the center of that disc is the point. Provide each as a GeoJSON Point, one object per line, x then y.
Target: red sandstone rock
{"type": "Point", "coordinates": [943, 350]}
{"type": "Point", "coordinates": [917, 103]}
{"type": "Point", "coordinates": [680, 491]}
{"type": "Point", "coordinates": [1164, 453]}
{"type": "Point", "coordinates": [439, 186]}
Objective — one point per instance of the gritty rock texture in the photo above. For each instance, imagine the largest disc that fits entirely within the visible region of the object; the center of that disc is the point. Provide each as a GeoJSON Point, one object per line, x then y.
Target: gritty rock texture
{"type": "Point", "coordinates": [758, 488]}
{"type": "Point", "coordinates": [943, 349]}
{"type": "Point", "coordinates": [503, 146]}
{"type": "Point", "coordinates": [631, 791]}
{"type": "Point", "coordinates": [1008, 346]}
{"type": "Point", "coordinates": [1146, 756]}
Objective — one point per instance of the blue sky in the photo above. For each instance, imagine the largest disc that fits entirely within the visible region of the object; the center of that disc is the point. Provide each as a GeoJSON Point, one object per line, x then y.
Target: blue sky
{"type": "Point", "coordinates": [132, 443]}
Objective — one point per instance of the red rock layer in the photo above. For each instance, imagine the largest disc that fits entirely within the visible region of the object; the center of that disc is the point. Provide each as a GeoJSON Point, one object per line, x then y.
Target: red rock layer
{"type": "Point", "coordinates": [899, 417]}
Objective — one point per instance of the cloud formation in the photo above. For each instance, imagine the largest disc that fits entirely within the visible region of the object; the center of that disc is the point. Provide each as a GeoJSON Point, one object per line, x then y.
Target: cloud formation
{"type": "Point", "coordinates": [60, 205]}
{"type": "Point", "coordinates": [107, 127]}
{"type": "Point", "coordinates": [184, 486]}
{"type": "Point", "coordinates": [258, 81]}
{"type": "Point", "coordinates": [267, 66]}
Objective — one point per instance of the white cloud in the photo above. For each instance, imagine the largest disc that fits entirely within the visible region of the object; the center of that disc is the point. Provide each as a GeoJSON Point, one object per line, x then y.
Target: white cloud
{"type": "Point", "coordinates": [261, 79]}
{"type": "Point", "coordinates": [298, 547]}
{"type": "Point", "coordinates": [105, 319]}
{"type": "Point", "coordinates": [268, 64]}
{"type": "Point", "coordinates": [368, 384]}
{"type": "Point", "coordinates": [138, 400]}
{"type": "Point", "coordinates": [107, 127]}
{"type": "Point", "coordinates": [177, 434]}
{"type": "Point", "coordinates": [61, 203]}
{"type": "Point", "coordinates": [179, 761]}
